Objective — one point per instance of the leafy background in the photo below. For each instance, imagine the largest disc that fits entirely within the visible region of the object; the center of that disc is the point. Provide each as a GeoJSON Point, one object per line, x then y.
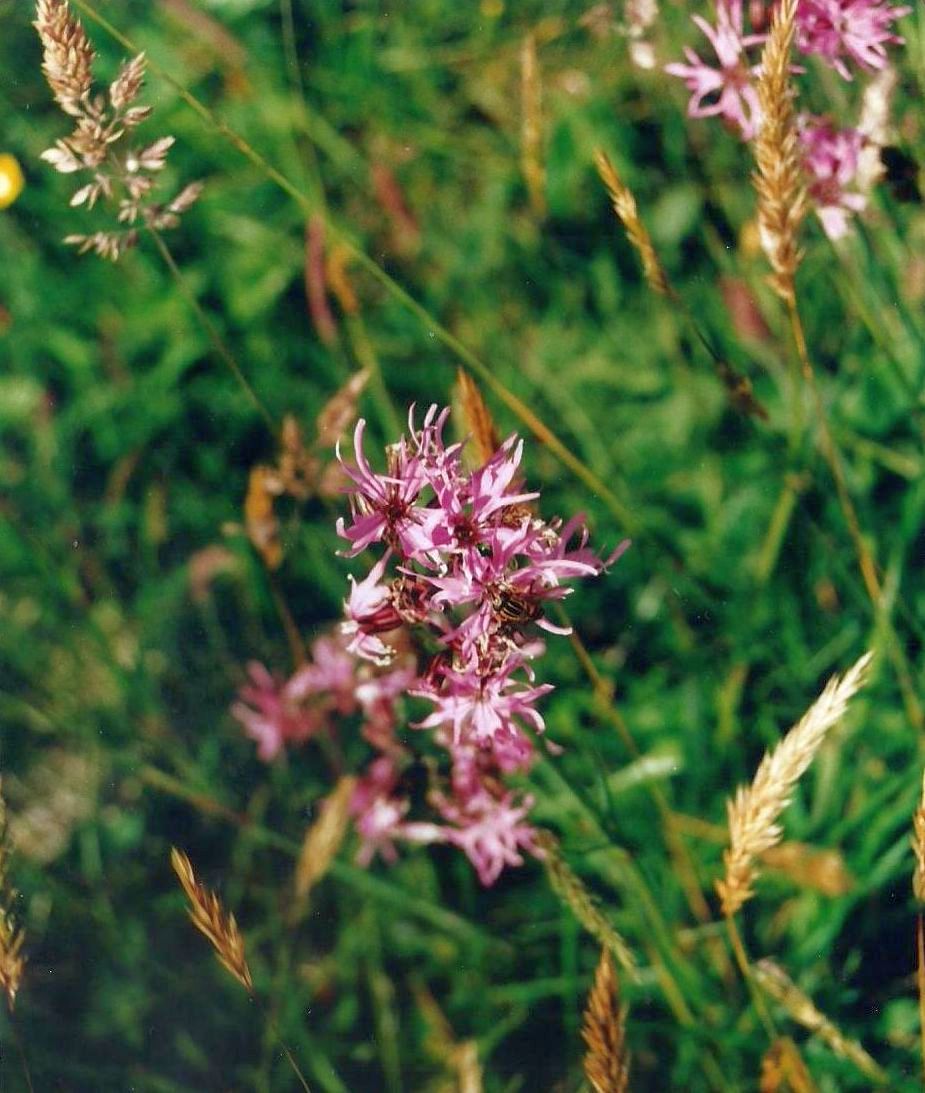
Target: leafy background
{"type": "Point", "coordinates": [125, 453]}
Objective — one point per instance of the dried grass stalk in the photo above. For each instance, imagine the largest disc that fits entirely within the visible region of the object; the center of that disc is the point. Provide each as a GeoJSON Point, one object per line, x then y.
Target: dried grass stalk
{"type": "Point", "coordinates": [754, 811]}
{"type": "Point", "coordinates": [323, 839]}
{"type": "Point", "coordinates": [209, 918]}
{"type": "Point", "coordinates": [822, 870]}
{"type": "Point", "coordinates": [782, 202]}
{"type": "Point", "coordinates": [532, 126]}
{"type": "Point", "coordinates": [783, 1069]}
{"type": "Point", "coordinates": [570, 889]}
{"type": "Point", "coordinates": [340, 411]}
{"type": "Point", "coordinates": [775, 982]}
{"type": "Point", "coordinates": [918, 847]}
{"type": "Point", "coordinates": [260, 520]}
{"type": "Point", "coordinates": [624, 205]}
{"type": "Point", "coordinates": [483, 434]}
{"type": "Point", "coordinates": [606, 1061]}
{"type": "Point", "coordinates": [12, 962]}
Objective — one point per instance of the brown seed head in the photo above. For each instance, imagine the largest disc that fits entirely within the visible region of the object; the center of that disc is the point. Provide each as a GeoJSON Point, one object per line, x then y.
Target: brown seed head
{"type": "Point", "coordinates": [778, 180]}
{"type": "Point", "coordinates": [624, 205]}
{"type": "Point", "coordinates": [210, 919]}
{"type": "Point", "coordinates": [12, 962]}
{"type": "Point", "coordinates": [68, 55]}
{"type": "Point", "coordinates": [606, 1061]}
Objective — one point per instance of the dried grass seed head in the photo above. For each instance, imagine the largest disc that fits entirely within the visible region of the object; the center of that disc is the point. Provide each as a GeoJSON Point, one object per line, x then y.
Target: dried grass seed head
{"type": "Point", "coordinates": [606, 1061]}
{"type": "Point", "coordinates": [755, 809]}
{"type": "Point", "coordinates": [210, 919]}
{"type": "Point", "coordinates": [778, 180]}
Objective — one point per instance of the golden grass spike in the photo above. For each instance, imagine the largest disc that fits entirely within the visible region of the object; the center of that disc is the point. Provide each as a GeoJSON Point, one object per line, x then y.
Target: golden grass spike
{"type": "Point", "coordinates": [754, 811]}
{"type": "Point", "coordinates": [624, 205]}
{"type": "Point", "coordinates": [775, 982]}
{"type": "Point", "coordinates": [211, 920]}
{"type": "Point", "coordinates": [323, 839]}
{"type": "Point", "coordinates": [483, 432]}
{"type": "Point", "coordinates": [778, 180]}
{"type": "Point", "coordinates": [606, 1061]}
{"type": "Point", "coordinates": [783, 1069]}
{"type": "Point", "coordinates": [918, 847]}
{"type": "Point", "coordinates": [570, 889]}
{"type": "Point", "coordinates": [12, 962]}
{"type": "Point", "coordinates": [532, 126]}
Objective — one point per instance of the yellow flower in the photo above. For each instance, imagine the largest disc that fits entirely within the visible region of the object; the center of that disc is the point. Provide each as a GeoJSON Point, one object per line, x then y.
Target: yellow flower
{"type": "Point", "coordinates": [11, 180]}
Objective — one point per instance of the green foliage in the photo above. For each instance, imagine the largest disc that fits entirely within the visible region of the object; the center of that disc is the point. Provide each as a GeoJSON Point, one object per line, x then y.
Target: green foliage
{"type": "Point", "coordinates": [124, 455]}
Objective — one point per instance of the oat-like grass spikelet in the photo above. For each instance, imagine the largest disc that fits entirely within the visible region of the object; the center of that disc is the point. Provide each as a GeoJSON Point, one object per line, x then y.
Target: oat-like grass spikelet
{"type": "Point", "coordinates": [606, 1061]}
{"type": "Point", "coordinates": [755, 809]}
{"type": "Point", "coordinates": [209, 918]}
{"type": "Point", "coordinates": [12, 962]}
{"type": "Point", "coordinates": [531, 90]}
{"type": "Point", "coordinates": [483, 433]}
{"type": "Point", "coordinates": [570, 889]}
{"type": "Point", "coordinates": [782, 203]}
{"type": "Point", "coordinates": [323, 839]}
{"type": "Point", "coordinates": [624, 205]}
{"type": "Point", "coordinates": [775, 982]}
{"type": "Point", "coordinates": [783, 1070]}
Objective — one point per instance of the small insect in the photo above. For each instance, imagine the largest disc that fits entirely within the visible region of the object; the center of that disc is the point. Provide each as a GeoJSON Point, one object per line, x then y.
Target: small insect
{"type": "Point", "coordinates": [512, 609]}
{"type": "Point", "coordinates": [901, 174]}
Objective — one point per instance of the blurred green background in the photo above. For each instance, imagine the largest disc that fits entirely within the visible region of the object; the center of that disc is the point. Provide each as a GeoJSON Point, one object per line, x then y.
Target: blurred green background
{"type": "Point", "coordinates": [130, 598]}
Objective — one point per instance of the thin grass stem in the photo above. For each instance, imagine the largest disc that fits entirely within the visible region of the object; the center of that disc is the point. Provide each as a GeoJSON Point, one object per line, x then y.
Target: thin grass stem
{"type": "Point", "coordinates": [222, 350]}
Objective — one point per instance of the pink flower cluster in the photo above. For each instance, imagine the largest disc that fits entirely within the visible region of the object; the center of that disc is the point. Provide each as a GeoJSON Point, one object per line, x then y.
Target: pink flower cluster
{"type": "Point", "coordinates": [467, 569]}
{"type": "Point", "coordinates": [842, 33]}
{"type": "Point", "coordinates": [447, 615]}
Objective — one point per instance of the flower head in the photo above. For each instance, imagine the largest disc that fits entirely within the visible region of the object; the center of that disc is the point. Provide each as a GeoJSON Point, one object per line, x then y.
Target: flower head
{"type": "Point", "coordinates": [848, 30]}
{"type": "Point", "coordinates": [11, 180]}
{"type": "Point", "coordinates": [271, 714]}
{"type": "Point", "coordinates": [724, 89]}
{"type": "Point", "coordinates": [831, 157]}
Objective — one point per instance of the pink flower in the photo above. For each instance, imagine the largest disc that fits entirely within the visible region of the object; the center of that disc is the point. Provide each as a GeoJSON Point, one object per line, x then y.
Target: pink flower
{"type": "Point", "coordinates": [857, 30]}
{"type": "Point", "coordinates": [369, 612]}
{"type": "Point", "coordinates": [380, 815]}
{"type": "Point", "coordinates": [831, 158]}
{"type": "Point", "coordinates": [330, 675]}
{"type": "Point", "coordinates": [484, 706]}
{"type": "Point", "coordinates": [384, 505]}
{"type": "Point", "coordinates": [725, 90]}
{"type": "Point", "coordinates": [271, 714]}
{"type": "Point", "coordinates": [490, 832]}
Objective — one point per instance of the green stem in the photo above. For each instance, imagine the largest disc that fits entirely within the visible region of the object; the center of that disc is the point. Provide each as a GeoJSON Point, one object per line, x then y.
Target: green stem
{"type": "Point", "coordinates": [211, 330]}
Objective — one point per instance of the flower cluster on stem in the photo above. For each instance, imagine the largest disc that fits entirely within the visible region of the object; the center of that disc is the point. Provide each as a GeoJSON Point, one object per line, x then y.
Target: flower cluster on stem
{"type": "Point", "coordinates": [449, 614]}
